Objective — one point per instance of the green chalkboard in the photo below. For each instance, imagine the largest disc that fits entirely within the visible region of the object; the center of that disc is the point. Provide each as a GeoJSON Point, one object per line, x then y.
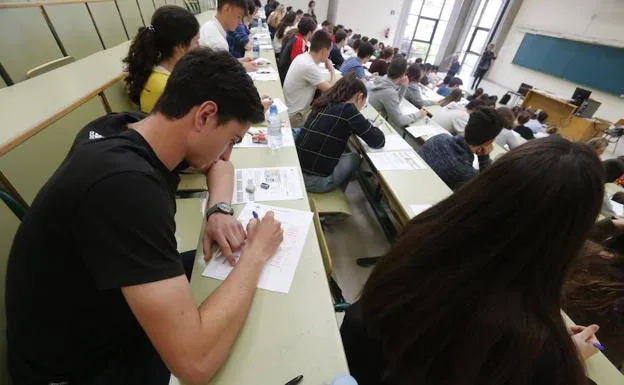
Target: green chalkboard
{"type": "Point", "coordinates": [593, 65]}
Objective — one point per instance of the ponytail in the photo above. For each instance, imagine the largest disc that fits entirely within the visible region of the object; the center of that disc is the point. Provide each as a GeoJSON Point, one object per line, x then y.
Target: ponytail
{"type": "Point", "coordinates": [141, 59]}
{"type": "Point", "coordinates": [171, 26]}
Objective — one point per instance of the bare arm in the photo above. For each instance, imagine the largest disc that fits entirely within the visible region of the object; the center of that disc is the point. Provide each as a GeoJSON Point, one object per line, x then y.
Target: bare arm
{"type": "Point", "coordinates": [192, 342]}
{"type": "Point", "coordinates": [222, 228]}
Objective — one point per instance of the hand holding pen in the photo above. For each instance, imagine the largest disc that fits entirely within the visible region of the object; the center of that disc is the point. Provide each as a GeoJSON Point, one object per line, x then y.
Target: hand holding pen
{"type": "Point", "coordinates": [585, 340]}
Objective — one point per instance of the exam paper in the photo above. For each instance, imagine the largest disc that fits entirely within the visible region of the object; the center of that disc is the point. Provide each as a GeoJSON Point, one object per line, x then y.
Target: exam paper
{"type": "Point", "coordinates": [393, 143]}
{"type": "Point", "coordinates": [247, 142]}
{"type": "Point", "coordinates": [283, 184]}
{"type": "Point", "coordinates": [266, 47]}
{"type": "Point", "coordinates": [279, 271]}
{"type": "Point", "coordinates": [399, 160]}
{"type": "Point", "coordinates": [618, 208]}
{"type": "Point", "coordinates": [264, 75]}
{"type": "Point", "coordinates": [417, 209]}
{"type": "Point", "coordinates": [426, 130]}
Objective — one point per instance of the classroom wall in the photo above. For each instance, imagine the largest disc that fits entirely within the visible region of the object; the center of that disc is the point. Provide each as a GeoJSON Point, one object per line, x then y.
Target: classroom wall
{"type": "Point", "coordinates": [370, 18]}
{"type": "Point", "coordinates": [597, 21]}
{"type": "Point", "coordinates": [320, 9]}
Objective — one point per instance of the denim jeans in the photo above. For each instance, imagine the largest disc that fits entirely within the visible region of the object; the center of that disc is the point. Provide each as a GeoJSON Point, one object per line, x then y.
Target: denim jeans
{"type": "Point", "coordinates": [348, 164]}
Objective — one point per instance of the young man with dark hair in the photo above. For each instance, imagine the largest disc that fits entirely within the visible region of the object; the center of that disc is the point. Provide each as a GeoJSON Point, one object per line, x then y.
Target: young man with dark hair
{"type": "Point", "coordinates": [335, 55]}
{"type": "Point", "coordinates": [213, 33]}
{"type": "Point", "coordinates": [328, 26]}
{"type": "Point", "coordinates": [298, 16]}
{"type": "Point", "coordinates": [96, 291]}
{"type": "Point", "coordinates": [446, 89]}
{"type": "Point", "coordinates": [387, 92]}
{"type": "Point", "coordinates": [356, 63]}
{"type": "Point", "coordinates": [296, 45]}
{"type": "Point", "coordinates": [451, 157]}
{"type": "Point", "coordinates": [305, 77]}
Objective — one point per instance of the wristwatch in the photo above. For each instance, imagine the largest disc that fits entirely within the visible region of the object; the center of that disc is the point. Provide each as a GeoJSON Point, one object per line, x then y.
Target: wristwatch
{"type": "Point", "coordinates": [221, 207]}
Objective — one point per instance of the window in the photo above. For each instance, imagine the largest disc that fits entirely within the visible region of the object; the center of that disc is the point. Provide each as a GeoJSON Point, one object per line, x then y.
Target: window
{"type": "Point", "coordinates": [426, 24]}
{"type": "Point", "coordinates": [477, 38]}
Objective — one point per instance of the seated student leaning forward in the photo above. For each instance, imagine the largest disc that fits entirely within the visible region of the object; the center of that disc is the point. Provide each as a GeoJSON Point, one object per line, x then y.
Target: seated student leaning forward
{"type": "Point", "coordinates": [470, 293]}
{"type": "Point", "coordinates": [155, 50]}
{"type": "Point", "coordinates": [322, 142]}
{"type": "Point", "coordinates": [451, 157]}
{"type": "Point", "coordinates": [95, 291]}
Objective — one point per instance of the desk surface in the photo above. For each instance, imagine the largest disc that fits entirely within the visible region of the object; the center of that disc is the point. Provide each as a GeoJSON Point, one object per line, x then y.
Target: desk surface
{"type": "Point", "coordinates": [285, 334]}
{"type": "Point", "coordinates": [30, 106]}
{"type": "Point", "coordinates": [410, 187]}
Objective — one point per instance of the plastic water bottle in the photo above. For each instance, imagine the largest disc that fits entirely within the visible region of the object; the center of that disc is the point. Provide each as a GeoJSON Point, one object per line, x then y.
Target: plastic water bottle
{"type": "Point", "coordinates": [274, 129]}
{"type": "Point", "coordinates": [256, 48]}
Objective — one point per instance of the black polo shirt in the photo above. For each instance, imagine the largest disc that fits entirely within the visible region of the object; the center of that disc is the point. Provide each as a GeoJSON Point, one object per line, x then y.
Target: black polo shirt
{"type": "Point", "coordinates": [104, 220]}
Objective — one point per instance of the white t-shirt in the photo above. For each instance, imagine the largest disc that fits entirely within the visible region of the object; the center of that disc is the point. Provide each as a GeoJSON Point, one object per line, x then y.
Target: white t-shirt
{"type": "Point", "coordinates": [301, 82]}
{"type": "Point", "coordinates": [452, 118]}
{"type": "Point", "coordinates": [212, 35]}
{"type": "Point", "coordinates": [535, 126]}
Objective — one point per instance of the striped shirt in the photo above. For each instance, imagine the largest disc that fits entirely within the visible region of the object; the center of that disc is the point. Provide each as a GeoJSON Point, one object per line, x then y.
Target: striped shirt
{"type": "Point", "coordinates": [353, 64]}
{"type": "Point", "coordinates": [324, 137]}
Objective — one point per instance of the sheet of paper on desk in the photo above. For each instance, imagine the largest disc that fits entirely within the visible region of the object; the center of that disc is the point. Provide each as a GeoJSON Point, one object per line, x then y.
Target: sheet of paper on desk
{"type": "Point", "coordinates": [282, 184]}
{"type": "Point", "coordinates": [266, 47]}
{"type": "Point", "coordinates": [428, 130]}
{"type": "Point", "coordinates": [417, 209]}
{"type": "Point", "coordinates": [398, 160]}
{"type": "Point", "coordinates": [618, 208]}
{"type": "Point", "coordinates": [393, 143]}
{"type": "Point", "coordinates": [264, 75]}
{"type": "Point", "coordinates": [247, 142]}
{"type": "Point", "coordinates": [279, 271]}
{"type": "Point", "coordinates": [407, 108]}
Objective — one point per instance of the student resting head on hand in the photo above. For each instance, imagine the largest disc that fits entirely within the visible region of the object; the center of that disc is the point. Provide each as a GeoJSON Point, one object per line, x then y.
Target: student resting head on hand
{"type": "Point", "coordinates": [467, 295]}
{"type": "Point", "coordinates": [451, 157]}
{"type": "Point", "coordinates": [387, 92]}
{"type": "Point", "coordinates": [155, 50]}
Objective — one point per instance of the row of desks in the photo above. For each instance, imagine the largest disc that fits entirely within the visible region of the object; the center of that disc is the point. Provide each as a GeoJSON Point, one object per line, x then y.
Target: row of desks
{"type": "Point", "coordinates": [405, 188]}
{"type": "Point", "coordinates": [285, 334]}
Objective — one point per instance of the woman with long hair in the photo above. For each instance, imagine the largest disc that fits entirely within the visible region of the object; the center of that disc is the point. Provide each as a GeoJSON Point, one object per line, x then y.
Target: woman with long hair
{"type": "Point", "coordinates": [322, 142]}
{"type": "Point", "coordinates": [155, 50]}
{"type": "Point", "coordinates": [454, 97]}
{"type": "Point", "coordinates": [594, 292]}
{"type": "Point", "coordinates": [470, 293]}
{"type": "Point", "coordinates": [275, 19]}
{"type": "Point", "coordinates": [286, 25]}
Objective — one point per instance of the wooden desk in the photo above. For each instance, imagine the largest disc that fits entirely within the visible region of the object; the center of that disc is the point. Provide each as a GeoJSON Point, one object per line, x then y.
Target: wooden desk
{"type": "Point", "coordinates": [561, 114]}
{"type": "Point", "coordinates": [285, 334]}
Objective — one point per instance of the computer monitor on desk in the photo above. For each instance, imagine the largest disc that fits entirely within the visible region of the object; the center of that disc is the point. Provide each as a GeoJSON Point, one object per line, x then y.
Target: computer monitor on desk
{"type": "Point", "coordinates": [524, 89]}
{"type": "Point", "coordinates": [580, 95]}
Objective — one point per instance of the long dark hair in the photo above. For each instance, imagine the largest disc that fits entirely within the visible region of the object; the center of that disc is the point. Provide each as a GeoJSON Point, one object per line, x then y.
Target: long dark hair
{"type": "Point", "coordinates": [287, 21]}
{"type": "Point", "coordinates": [455, 96]}
{"type": "Point", "coordinates": [171, 26]}
{"type": "Point", "coordinates": [342, 91]}
{"type": "Point", "coordinates": [471, 291]}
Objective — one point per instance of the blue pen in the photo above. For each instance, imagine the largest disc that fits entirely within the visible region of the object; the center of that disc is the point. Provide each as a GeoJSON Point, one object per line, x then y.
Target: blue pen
{"type": "Point", "coordinates": [599, 346]}
{"type": "Point", "coordinates": [255, 215]}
